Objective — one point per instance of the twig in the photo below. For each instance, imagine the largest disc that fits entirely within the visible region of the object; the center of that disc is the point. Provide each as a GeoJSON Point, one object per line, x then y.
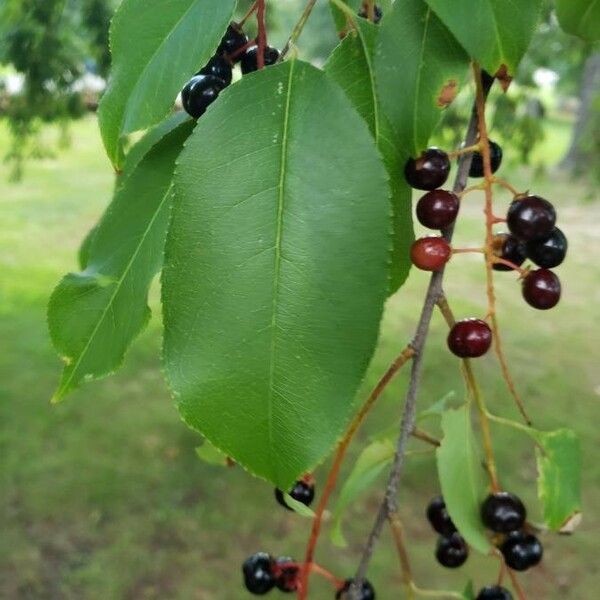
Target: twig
{"type": "Point", "coordinates": [297, 31]}
{"type": "Point", "coordinates": [390, 502]}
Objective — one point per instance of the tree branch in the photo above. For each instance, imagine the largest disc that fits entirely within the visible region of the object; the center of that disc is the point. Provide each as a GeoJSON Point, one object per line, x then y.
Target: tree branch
{"type": "Point", "coordinates": [390, 501]}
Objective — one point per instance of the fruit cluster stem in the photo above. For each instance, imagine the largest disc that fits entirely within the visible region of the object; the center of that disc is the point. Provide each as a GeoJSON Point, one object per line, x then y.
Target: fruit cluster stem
{"type": "Point", "coordinates": [250, 12]}
{"type": "Point", "coordinates": [390, 501]}
{"type": "Point", "coordinates": [262, 33]}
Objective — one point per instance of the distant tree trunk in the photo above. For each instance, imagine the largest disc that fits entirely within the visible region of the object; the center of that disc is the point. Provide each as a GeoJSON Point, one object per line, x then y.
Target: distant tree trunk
{"type": "Point", "coordinates": [590, 86]}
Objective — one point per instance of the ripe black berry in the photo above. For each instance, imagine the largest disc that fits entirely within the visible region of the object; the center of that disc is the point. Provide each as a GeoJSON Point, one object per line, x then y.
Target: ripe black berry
{"type": "Point", "coordinates": [286, 574]}
{"type": "Point", "coordinates": [430, 253]}
{"type": "Point", "coordinates": [522, 551]}
{"type": "Point", "coordinates": [218, 66]}
{"type": "Point", "coordinates": [494, 592]}
{"type": "Point", "coordinates": [452, 551]}
{"type": "Point", "coordinates": [503, 512]}
{"type": "Point", "coordinates": [476, 169]}
{"type": "Point", "coordinates": [301, 492]}
{"type": "Point", "coordinates": [429, 171]}
{"type": "Point", "coordinates": [233, 40]}
{"type": "Point", "coordinates": [542, 289]}
{"type": "Point", "coordinates": [364, 13]}
{"type": "Point", "coordinates": [550, 252]}
{"type": "Point", "coordinates": [367, 591]}
{"type": "Point", "coordinates": [250, 59]}
{"type": "Point", "coordinates": [199, 93]}
{"type": "Point", "coordinates": [258, 573]}
{"type": "Point", "coordinates": [438, 516]}
{"type": "Point", "coordinates": [509, 248]}
{"type": "Point", "coordinates": [470, 338]}
{"type": "Point", "coordinates": [438, 209]}
{"type": "Point", "coordinates": [531, 218]}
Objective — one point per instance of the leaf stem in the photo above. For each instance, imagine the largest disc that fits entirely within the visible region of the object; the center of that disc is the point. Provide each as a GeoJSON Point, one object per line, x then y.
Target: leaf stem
{"type": "Point", "coordinates": [340, 454]}
{"type": "Point", "coordinates": [390, 501]}
{"type": "Point", "coordinates": [297, 31]}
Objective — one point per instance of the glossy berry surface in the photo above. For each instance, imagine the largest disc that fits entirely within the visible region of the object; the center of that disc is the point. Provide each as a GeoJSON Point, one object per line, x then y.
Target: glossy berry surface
{"type": "Point", "coordinates": [438, 209]}
{"type": "Point", "coordinates": [494, 592]}
{"type": "Point", "coordinates": [438, 517]}
{"type": "Point", "coordinates": [286, 574]}
{"type": "Point", "coordinates": [233, 40]}
{"type": "Point", "coordinates": [542, 289]}
{"type": "Point", "coordinates": [430, 253]}
{"type": "Point", "coordinates": [470, 338]}
{"type": "Point", "coordinates": [549, 252]}
{"type": "Point", "coordinates": [250, 59]}
{"type": "Point", "coordinates": [522, 551]}
{"type": "Point", "coordinates": [503, 512]}
{"type": "Point", "coordinates": [218, 66]}
{"type": "Point", "coordinates": [429, 171]}
{"type": "Point", "coordinates": [476, 169]}
{"type": "Point", "coordinates": [367, 592]}
{"type": "Point", "coordinates": [364, 13]}
{"type": "Point", "coordinates": [531, 218]}
{"type": "Point", "coordinates": [258, 573]}
{"type": "Point", "coordinates": [452, 551]}
{"type": "Point", "coordinates": [508, 247]}
{"type": "Point", "coordinates": [199, 93]}
{"type": "Point", "coordinates": [301, 492]}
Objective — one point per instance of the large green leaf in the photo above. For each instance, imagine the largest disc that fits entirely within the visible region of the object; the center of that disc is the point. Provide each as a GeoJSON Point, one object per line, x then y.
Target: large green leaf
{"type": "Point", "coordinates": [494, 32]}
{"type": "Point", "coordinates": [369, 465]}
{"type": "Point", "coordinates": [462, 477]}
{"type": "Point", "coordinates": [580, 17]}
{"type": "Point", "coordinates": [94, 315]}
{"type": "Point", "coordinates": [419, 67]}
{"type": "Point", "coordinates": [351, 67]}
{"type": "Point", "coordinates": [276, 269]}
{"type": "Point", "coordinates": [559, 478]}
{"type": "Point", "coordinates": [156, 47]}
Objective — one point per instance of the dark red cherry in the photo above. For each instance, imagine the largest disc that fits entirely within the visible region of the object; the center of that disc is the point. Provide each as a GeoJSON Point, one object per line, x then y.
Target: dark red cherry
{"type": "Point", "coordinates": [542, 289]}
{"type": "Point", "coordinates": [438, 209]}
{"type": "Point", "coordinates": [250, 59]}
{"type": "Point", "coordinates": [549, 252]}
{"type": "Point", "coordinates": [522, 551]}
{"type": "Point", "coordinates": [508, 247]}
{"type": "Point", "coordinates": [286, 574]}
{"type": "Point", "coordinates": [199, 93]}
{"type": "Point", "coordinates": [258, 573]}
{"type": "Point", "coordinates": [470, 338]}
{"type": "Point", "coordinates": [220, 67]}
{"type": "Point", "coordinates": [430, 253]}
{"type": "Point", "coordinates": [452, 551]}
{"type": "Point", "coordinates": [438, 516]}
{"type": "Point", "coordinates": [233, 40]}
{"type": "Point", "coordinates": [429, 171]}
{"type": "Point", "coordinates": [531, 218]}
{"type": "Point", "coordinates": [503, 512]}
{"type": "Point", "coordinates": [476, 169]}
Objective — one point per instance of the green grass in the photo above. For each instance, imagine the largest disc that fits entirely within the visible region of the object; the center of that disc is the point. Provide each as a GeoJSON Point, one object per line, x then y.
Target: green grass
{"type": "Point", "coordinates": [102, 497]}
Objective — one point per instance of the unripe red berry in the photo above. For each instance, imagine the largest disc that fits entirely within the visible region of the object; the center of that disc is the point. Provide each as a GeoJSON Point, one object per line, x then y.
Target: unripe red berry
{"type": "Point", "coordinates": [430, 253]}
{"type": "Point", "coordinates": [470, 338]}
{"type": "Point", "coordinates": [542, 289]}
{"type": "Point", "coordinates": [438, 209]}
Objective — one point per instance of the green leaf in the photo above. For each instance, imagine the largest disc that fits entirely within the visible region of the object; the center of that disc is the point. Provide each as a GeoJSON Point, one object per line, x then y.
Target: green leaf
{"type": "Point", "coordinates": [351, 67]}
{"type": "Point", "coordinates": [156, 47]}
{"type": "Point", "coordinates": [496, 33]}
{"type": "Point", "coordinates": [94, 315]}
{"type": "Point", "coordinates": [559, 478]}
{"type": "Point", "coordinates": [83, 256]}
{"type": "Point", "coordinates": [276, 270]}
{"type": "Point", "coordinates": [211, 455]}
{"type": "Point", "coordinates": [462, 477]}
{"type": "Point", "coordinates": [580, 18]}
{"type": "Point", "coordinates": [369, 465]}
{"type": "Point", "coordinates": [437, 409]}
{"type": "Point", "coordinates": [419, 67]}
{"type": "Point", "coordinates": [469, 591]}
{"type": "Point", "coordinates": [339, 17]}
{"type": "Point", "coordinates": [298, 507]}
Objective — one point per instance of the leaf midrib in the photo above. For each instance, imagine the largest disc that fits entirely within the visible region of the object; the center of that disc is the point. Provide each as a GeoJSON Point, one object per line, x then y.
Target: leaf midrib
{"type": "Point", "coordinates": [64, 387]}
{"type": "Point", "coordinates": [278, 240]}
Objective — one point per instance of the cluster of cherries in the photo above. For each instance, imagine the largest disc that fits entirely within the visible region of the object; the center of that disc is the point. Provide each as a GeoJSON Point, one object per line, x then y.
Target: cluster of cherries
{"type": "Point", "coordinates": [533, 235]}
{"type": "Point", "coordinates": [503, 514]}
{"type": "Point", "coordinates": [204, 87]}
